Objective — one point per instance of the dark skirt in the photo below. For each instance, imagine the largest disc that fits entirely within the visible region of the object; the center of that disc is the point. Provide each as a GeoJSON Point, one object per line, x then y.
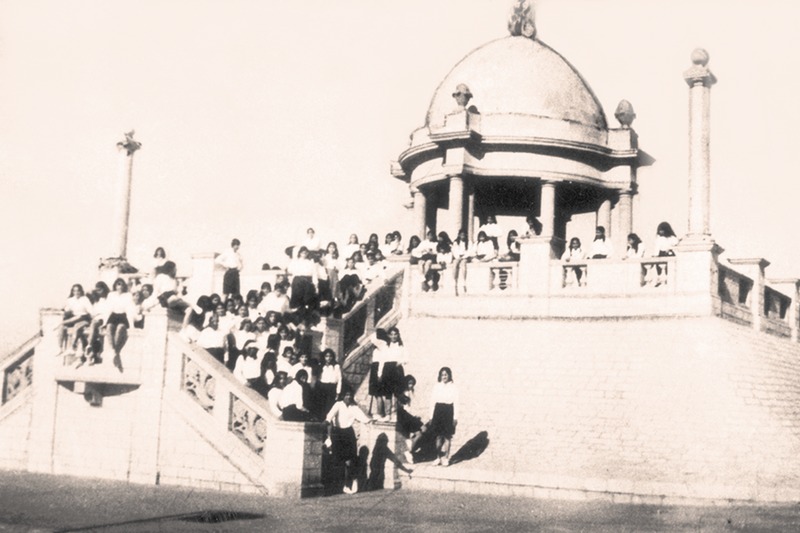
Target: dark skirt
{"type": "Point", "coordinates": [303, 292]}
{"type": "Point", "coordinates": [374, 381]}
{"type": "Point", "coordinates": [118, 319]}
{"type": "Point", "coordinates": [392, 379]}
{"type": "Point", "coordinates": [442, 421]}
{"type": "Point", "coordinates": [344, 446]}
{"type": "Point", "coordinates": [230, 282]}
{"type": "Point", "coordinates": [406, 422]}
{"type": "Point", "coordinates": [329, 393]}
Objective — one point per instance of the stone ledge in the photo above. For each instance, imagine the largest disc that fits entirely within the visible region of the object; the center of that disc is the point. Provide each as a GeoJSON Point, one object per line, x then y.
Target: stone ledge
{"type": "Point", "coordinates": [549, 486]}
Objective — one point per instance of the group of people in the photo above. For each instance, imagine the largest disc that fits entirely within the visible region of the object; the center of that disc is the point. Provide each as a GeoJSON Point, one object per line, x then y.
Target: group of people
{"type": "Point", "coordinates": [601, 248]}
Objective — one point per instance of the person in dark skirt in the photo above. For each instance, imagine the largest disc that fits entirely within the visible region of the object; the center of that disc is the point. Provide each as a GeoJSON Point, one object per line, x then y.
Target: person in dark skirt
{"type": "Point", "coordinates": [444, 414]}
{"type": "Point", "coordinates": [231, 260]}
{"type": "Point", "coordinates": [408, 425]}
{"type": "Point", "coordinates": [342, 438]}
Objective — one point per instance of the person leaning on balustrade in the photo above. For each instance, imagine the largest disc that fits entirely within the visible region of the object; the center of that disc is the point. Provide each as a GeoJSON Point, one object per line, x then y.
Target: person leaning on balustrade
{"type": "Point", "coordinates": [601, 247]}
{"type": "Point", "coordinates": [574, 253]}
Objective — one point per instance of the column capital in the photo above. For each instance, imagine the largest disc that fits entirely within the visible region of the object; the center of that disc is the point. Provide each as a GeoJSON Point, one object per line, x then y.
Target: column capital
{"type": "Point", "coordinates": [129, 144]}
{"type": "Point", "coordinates": [760, 262]}
{"type": "Point", "coordinates": [699, 73]}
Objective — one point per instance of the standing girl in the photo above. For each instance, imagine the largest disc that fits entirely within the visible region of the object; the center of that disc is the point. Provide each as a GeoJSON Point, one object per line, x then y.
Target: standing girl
{"type": "Point", "coordinates": [444, 414]}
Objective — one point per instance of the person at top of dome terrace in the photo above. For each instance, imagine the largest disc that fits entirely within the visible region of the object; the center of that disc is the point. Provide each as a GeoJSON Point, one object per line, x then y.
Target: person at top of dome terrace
{"type": "Point", "coordinates": [492, 231]}
{"type": "Point", "coordinates": [231, 260]}
{"type": "Point", "coordinates": [665, 241]}
{"type": "Point", "coordinates": [462, 96]}
{"type": "Point", "coordinates": [601, 247]}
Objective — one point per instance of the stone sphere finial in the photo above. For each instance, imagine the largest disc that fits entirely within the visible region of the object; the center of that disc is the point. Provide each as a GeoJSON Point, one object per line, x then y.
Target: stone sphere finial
{"type": "Point", "coordinates": [625, 114]}
{"type": "Point", "coordinates": [521, 22]}
{"type": "Point", "coordinates": [700, 57]}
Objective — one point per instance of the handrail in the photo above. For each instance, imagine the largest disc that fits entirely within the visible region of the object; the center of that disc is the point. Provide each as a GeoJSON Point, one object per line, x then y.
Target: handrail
{"type": "Point", "coordinates": [17, 370]}
{"type": "Point", "coordinates": [21, 349]}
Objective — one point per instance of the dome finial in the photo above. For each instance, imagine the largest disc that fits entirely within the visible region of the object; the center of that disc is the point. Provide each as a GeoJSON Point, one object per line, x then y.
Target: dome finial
{"type": "Point", "coordinates": [521, 22]}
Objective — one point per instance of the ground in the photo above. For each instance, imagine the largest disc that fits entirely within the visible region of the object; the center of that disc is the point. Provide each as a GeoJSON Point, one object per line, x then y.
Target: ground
{"type": "Point", "coordinates": [31, 502]}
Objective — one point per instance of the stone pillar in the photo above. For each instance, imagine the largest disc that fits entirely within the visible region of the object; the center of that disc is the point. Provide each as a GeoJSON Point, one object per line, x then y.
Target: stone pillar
{"type": "Point", "coordinates": [456, 205]}
{"type": "Point", "coordinates": [122, 198]}
{"type": "Point", "coordinates": [204, 278]}
{"type": "Point", "coordinates": [625, 210]}
{"type": "Point", "coordinates": [754, 269]}
{"type": "Point", "coordinates": [471, 213]}
{"type": "Point", "coordinates": [547, 209]}
{"type": "Point", "coordinates": [790, 287]}
{"type": "Point", "coordinates": [603, 217]}
{"type": "Point", "coordinates": [420, 211]}
{"type": "Point", "coordinates": [700, 79]}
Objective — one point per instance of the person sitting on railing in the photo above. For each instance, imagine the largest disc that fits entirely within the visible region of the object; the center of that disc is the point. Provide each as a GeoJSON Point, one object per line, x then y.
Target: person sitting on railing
{"type": "Point", "coordinates": [351, 287]}
{"type": "Point", "coordinates": [276, 391]}
{"type": "Point", "coordinates": [426, 255]}
{"type": "Point", "coordinates": [492, 231]}
{"type": "Point", "coordinates": [574, 253]}
{"type": "Point", "coordinates": [330, 378]}
{"type": "Point", "coordinates": [601, 247]}
{"type": "Point", "coordinates": [413, 244]}
{"type": "Point", "coordinates": [94, 348]}
{"type": "Point", "coordinates": [444, 257]}
{"type": "Point", "coordinates": [165, 286]}
{"type": "Point", "coordinates": [121, 313]}
{"type": "Point", "coordinates": [194, 319]}
{"type": "Point", "coordinates": [483, 249]}
{"type": "Point", "coordinates": [277, 300]}
{"type": "Point", "coordinates": [248, 366]}
{"type": "Point", "coordinates": [534, 227]}
{"type": "Point", "coordinates": [291, 401]}
{"type": "Point", "coordinates": [513, 247]}
{"type": "Point", "coordinates": [342, 438]}
{"type": "Point", "coordinates": [664, 245]}
{"type": "Point", "coordinates": [376, 267]}
{"type": "Point", "coordinates": [77, 317]}
{"type": "Point", "coordinates": [159, 258]}
{"type": "Point", "coordinates": [635, 248]}
{"type": "Point", "coordinates": [212, 339]}
{"type": "Point", "coordinates": [397, 241]}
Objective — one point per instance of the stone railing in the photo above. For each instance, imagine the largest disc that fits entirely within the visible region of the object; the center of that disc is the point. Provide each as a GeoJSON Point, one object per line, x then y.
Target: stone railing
{"type": "Point", "coordinates": [614, 276]}
{"type": "Point", "coordinates": [282, 457]}
{"type": "Point", "coordinates": [776, 313]}
{"type": "Point", "coordinates": [17, 369]}
{"type": "Point", "coordinates": [381, 304]}
{"type": "Point", "coordinates": [734, 290]}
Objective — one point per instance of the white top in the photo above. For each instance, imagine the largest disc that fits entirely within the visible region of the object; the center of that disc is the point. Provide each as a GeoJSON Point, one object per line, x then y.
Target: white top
{"type": "Point", "coordinates": [445, 393]}
{"type": "Point", "coordinates": [230, 259]}
{"type": "Point", "coordinates": [342, 415]}
{"type": "Point", "coordinates": [601, 247]}
{"type": "Point", "coordinates": [349, 249]}
{"type": "Point", "coordinates": [292, 395]}
{"type": "Point", "coordinates": [424, 248]}
{"type": "Point", "coordinates": [247, 368]}
{"type": "Point", "coordinates": [630, 253]}
{"type": "Point", "coordinates": [491, 230]}
{"type": "Point", "coordinates": [120, 302]}
{"type": "Point", "coordinates": [483, 249]}
{"type": "Point", "coordinates": [274, 302]}
{"type": "Point", "coordinates": [332, 374]}
{"type": "Point", "coordinates": [78, 306]}
{"type": "Point", "coordinates": [459, 249]}
{"type": "Point", "coordinates": [664, 244]}
{"type": "Point", "coordinates": [312, 244]}
{"type": "Point", "coordinates": [303, 267]}
{"type": "Point", "coordinates": [163, 283]}
{"type": "Point", "coordinates": [274, 397]}
{"type": "Point", "coordinates": [211, 338]}
{"type": "Point", "coordinates": [574, 255]}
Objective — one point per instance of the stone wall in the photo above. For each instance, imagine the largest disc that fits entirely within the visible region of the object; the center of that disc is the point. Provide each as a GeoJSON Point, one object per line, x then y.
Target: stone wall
{"type": "Point", "coordinates": [671, 405]}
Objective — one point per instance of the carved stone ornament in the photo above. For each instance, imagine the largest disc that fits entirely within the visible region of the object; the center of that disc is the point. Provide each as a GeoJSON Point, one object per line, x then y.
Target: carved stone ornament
{"type": "Point", "coordinates": [18, 377]}
{"type": "Point", "coordinates": [625, 114]}
{"type": "Point", "coordinates": [248, 425]}
{"type": "Point", "coordinates": [699, 72]}
{"type": "Point", "coordinates": [521, 22]}
{"type": "Point", "coordinates": [129, 144]}
{"type": "Point", "coordinates": [198, 384]}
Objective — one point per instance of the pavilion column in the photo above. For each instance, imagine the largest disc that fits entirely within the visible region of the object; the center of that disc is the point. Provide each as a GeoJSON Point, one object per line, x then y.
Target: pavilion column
{"type": "Point", "coordinates": [420, 212]}
{"type": "Point", "coordinates": [456, 205]}
{"type": "Point", "coordinates": [603, 217]}
{"type": "Point", "coordinates": [625, 210]}
{"type": "Point", "coordinates": [547, 209]}
{"type": "Point", "coordinates": [700, 79]}
{"type": "Point", "coordinates": [470, 212]}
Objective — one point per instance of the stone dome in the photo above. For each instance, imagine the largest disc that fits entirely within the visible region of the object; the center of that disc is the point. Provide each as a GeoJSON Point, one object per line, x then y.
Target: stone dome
{"type": "Point", "coordinates": [519, 76]}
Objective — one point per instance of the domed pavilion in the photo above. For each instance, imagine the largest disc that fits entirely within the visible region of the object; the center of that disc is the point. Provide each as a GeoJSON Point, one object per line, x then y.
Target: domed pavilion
{"type": "Point", "coordinates": [514, 130]}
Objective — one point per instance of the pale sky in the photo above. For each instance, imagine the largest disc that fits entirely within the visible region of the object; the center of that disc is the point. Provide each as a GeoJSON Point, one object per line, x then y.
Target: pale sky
{"type": "Point", "coordinates": [261, 118]}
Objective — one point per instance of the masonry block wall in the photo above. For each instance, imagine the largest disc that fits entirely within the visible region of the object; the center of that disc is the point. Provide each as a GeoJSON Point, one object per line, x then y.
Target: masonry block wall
{"type": "Point", "coordinates": [696, 405]}
{"type": "Point", "coordinates": [14, 431]}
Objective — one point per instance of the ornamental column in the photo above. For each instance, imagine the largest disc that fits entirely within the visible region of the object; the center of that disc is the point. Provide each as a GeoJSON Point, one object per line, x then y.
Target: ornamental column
{"type": "Point", "coordinates": [122, 197]}
{"type": "Point", "coordinates": [420, 210]}
{"type": "Point", "coordinates": [547, 209]}
{"type": "Point", "coordinates": [700, 79]}
{"type": "Point", "coordinates": [625, 210]}
{"type": "Point", "coordinates": [456, 205]}
{"type": "Point", "coordinates": [603, 217]}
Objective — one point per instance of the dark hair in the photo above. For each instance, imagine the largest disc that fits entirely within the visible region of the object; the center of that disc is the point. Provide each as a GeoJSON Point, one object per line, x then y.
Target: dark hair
{"type": "Point", "coordinates": [160, 249]}
{"type": "Point", "coordinates": [236, 242]}
{"type": "Point", "coordinates": [666, 228]}
{"type": "Point", "coordinates": [102, 288]}
{"type": "Point", "coordinates": [511, 237]}
{"type": "Point", "coordinates": [574, 239]}
{"type": "Point", "coordinates": [413, 242]}
{"type": "Point", "coordinates": [326, 352]}
{"type": "Point", "coordinates": [399, 338]}
{"type": "Point", "coordinates": [147, 286]}
{"type": "Point", "coordinates": [601, 230]}
{"type": "Point", "coordinates": [301, 374]}
{"type": "Point", "coordinates": [169, 268]}
{"type": "Point", "coordinates": [72, 289]}
{"type": "Point", "coordinates": [636, 241]}
{"type": "Point", "coordinates": [120, 281]}
{"type": "Point", "coordinates": [280, 374]}
{"type": "Point", "coordinates": [444, 369]}
{"type": "Point", "coordinates": [266, 285]}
